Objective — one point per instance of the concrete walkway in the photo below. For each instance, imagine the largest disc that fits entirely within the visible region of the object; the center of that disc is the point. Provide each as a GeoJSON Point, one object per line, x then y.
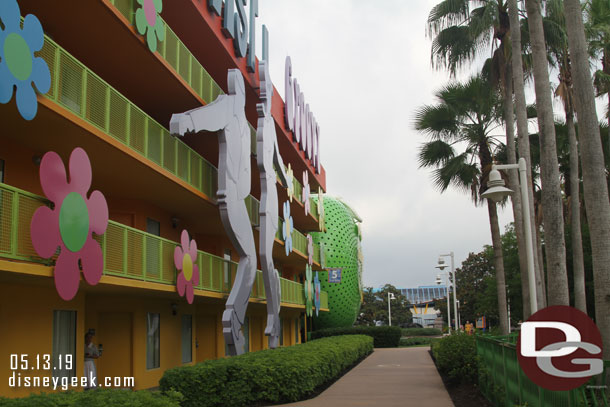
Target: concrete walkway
{"type": "Point", "coordinates": [388, 377]}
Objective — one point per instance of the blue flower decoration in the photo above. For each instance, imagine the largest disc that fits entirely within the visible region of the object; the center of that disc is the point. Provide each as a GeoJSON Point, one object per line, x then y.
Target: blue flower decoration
{"type": "Point", "coordinates": [317, 288]}
{"type": "Point", "coordinates": [18, 65]}
{"type": "Point", "coordinates": [287, 229]}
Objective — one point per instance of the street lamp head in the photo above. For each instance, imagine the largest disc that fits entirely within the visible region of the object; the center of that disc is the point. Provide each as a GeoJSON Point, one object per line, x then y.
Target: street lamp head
{"type": "Point", "coordinates": [441, 264]}
{"type": "Point", "coordinates": [392, 297]}
{"type": "Point", "coordinates": [438, 279]}
{"type": "Point", "coordinates": [495, 187]}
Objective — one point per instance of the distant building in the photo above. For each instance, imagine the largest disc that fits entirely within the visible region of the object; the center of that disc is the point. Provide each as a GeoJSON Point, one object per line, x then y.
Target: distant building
{"type": "Point", "coordinates": [423, 301]}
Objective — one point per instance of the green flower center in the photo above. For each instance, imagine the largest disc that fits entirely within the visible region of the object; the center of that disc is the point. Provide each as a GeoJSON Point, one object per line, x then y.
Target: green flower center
{"type": "Point", "coordinates": [74, 221]}
{"type": "Point", "coordinates": [18, 56]}
{"type": "Point", "coordinates": [187, 267]}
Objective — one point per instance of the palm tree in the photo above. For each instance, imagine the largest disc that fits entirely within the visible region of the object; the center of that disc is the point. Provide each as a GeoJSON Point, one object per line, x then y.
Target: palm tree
{"type": "Point", "coordinates": [464, 116]}
{"type": "Point", "coordinates": [524, 147]}
{"type": "Point", "coordinates": [557, 45]}
{"type": "Point", "coordinates": [552, 208]}
{"type": "Point", "coordinates": [593, 170]}
{"type": "Point", "coordinates": [598, 32]}
{"type": "Point", "coordinates": [460, 35]}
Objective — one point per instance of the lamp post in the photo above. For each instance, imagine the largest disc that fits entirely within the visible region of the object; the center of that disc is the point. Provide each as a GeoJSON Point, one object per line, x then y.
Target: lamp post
{"type": "Point", "coordinates": [459, 320]}
{"type": "Point", "coordinates": [496, 191]}
{"type": "Point", "coordinates": [438, 281]}
{"type": "Point", "coordinates": [390, 297]}
{"type": "Point", "coordinates": [441, 265]}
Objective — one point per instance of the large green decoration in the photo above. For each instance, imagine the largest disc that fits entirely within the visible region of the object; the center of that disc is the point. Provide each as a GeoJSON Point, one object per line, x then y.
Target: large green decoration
{"type": "Point", "coordinates": [341, 244]}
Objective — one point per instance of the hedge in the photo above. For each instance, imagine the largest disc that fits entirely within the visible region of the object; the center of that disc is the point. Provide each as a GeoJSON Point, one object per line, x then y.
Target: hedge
{"type": "Point", "coordinates": [96, 398]}
{"type": "Point", "coordinates": [270, 376]}
{"type": "Point", "coordinates": [384, 336]}
{"type": "Point", "coordinates": [421, 332]}
{"type": "Point", "coordinates": [417, 341]}
{"type": "Point", "coordinates": [456, 357]}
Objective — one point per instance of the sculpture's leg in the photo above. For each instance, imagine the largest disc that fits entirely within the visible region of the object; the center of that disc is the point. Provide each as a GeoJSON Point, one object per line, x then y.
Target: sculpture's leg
{"type": "Point", "coordinates": [235, 218]}
{"type": "Point", "coordinates": [271, 279]}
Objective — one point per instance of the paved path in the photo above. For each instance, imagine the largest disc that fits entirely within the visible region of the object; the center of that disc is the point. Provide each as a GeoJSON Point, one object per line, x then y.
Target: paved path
{"type": "Point", "coordinates": [388, 377]}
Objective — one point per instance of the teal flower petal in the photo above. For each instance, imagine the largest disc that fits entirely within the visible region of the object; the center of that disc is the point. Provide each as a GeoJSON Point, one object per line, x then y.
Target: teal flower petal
{"type": "Point", "coordinates": [7, 83]}
{"type": "Point", "coordinates": [140, 2]}
{"type": "Point", "coordinates": [32, 33]}
{"type": "Point", "coordinates": [10, 15]}
{"type": "Point", "coordinates": [26, 102]}
{"type": "Point", "coordinates": [141, 23]}
{"type": "Point", "coordinates": [41, 76]}
{"type": "Point", "coordinates": [160, 30]}
{"type": "Point", "coordinates": [158, 5]}
{"type": "Point", "coordinates": [151, 39]}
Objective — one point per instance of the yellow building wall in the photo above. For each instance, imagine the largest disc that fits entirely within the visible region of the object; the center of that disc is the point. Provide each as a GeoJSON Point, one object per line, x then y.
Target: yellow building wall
{"type": "Point", "coordinates": [26, 318]}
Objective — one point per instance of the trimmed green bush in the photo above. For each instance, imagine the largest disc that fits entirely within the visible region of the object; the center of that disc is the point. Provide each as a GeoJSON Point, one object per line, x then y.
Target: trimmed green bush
{"type": "Point", "coordinates": [270, 376]}
{"type": "Point", "coordinates": [96, 398]}
{"type": "Point", "coordinates": [383, 336]}
{"type": "Point", "coordinates": [421, 332]}
{"type": "Point", "coordinates": [456, 357]}
{"type": "Point", "coordinates": [417, 341]}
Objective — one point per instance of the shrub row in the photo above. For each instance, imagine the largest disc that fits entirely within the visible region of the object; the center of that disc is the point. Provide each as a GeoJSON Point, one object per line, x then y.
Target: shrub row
{"type": "Point", "coordinates": [421, 332]}
{"type": "Point", "coordinates": [417, 341]}
{"type": "Point", "coordinates": [456, 357]}
{"type": "Point", "coordinates": [96, 398]}
{"type": "Point", "coordinates": [266, 377]}
{"type": "Point", "coordinates": [383, 336]}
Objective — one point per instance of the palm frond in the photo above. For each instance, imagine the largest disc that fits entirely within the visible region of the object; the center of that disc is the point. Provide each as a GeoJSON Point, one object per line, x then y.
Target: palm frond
{"type": "Point", "coordinates": [435, 154]}
{"type": "Point", "coordinates": [452, 48]}
{"type": "Point", "coordinates": [447, 13]}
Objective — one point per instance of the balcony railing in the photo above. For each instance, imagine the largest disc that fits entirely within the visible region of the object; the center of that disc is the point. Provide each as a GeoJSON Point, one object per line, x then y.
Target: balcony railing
{"type": "Point", "coordinates": [76, 88]}
{"type": "Point", "coordinates": [128, 252]}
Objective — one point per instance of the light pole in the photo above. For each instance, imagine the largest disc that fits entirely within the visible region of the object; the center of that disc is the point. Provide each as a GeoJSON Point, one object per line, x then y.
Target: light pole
{"type": "Point", "coordinates": [441, 265]}
{"type": "Point", "coordinates": [390, 297]}
{"type": "Point", "coordinates": [438, 281]}
{"type": "Point", "coordinates": [496, 191]}
{"type": "Point", "coordinates": [459, 320]}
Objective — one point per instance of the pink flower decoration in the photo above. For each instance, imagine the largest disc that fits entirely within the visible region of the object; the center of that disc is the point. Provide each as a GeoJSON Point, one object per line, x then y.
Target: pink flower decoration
{"type": "Point", "coordinates": [310, 249]}
{"type": "Point", "coordinates": [306, 192]}
{"type": "Point", "coordinates": [184, 259]}
{"type": "Point", "coordinates": [70, 224]}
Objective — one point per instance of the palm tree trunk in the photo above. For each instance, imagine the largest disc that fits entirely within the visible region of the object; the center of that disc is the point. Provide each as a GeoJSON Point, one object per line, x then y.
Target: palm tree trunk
{"type": "Point", "coordinates": [513, 182]}
{"type": "Point", "coordinates": [523, 134]}
{"type": "Point", "coordinates": [578, 265]}
{"type": "Point", "coordinates": [558, 291]}
{"type": "Point", "coordinates": [593, 170]}
{"type": "Point", "coordinates": [498, 265]}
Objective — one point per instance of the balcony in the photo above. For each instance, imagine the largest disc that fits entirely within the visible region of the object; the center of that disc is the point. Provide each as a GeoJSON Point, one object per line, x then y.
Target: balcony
{"type": "Point", "coordinates": [129, 253]}
{"type": "Point", "coordinates": [77, 89]}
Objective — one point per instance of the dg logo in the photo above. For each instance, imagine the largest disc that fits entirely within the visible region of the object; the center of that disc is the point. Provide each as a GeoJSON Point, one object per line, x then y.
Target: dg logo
{"type": "Point", "coordinates": [560, 348]}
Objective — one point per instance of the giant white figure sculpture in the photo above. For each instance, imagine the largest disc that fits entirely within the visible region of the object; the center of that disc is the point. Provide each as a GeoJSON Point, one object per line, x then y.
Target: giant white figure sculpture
{"type": "Point", "coordinates": [268, 155]}
{"type": "Point", "coordinates": [227, 117]}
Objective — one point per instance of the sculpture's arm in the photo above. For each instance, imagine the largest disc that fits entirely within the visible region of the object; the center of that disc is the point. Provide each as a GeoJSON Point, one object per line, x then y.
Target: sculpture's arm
{"type": "Point", "coordinates": [212, 117]}
{"type": "Point", "coordinates": [279, 165]}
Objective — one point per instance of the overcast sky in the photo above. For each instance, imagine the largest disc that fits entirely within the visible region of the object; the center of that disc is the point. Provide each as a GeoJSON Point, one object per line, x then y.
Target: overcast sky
{"type": "Point", "coordinates": [364, 68]}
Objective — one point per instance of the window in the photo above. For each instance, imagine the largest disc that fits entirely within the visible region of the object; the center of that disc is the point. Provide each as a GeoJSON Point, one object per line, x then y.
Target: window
{"type": "Point", "coordinates": [187, 338]}
{"type": "Point", "coordinates": [296, 330]}
{"type": "Point", "coordinates": [152, 340]}
{"type": "Point", "coordinates": [153, 227]}
{"type": "Point", "coordinates": [64, 342]}
{"type": "Point", "coordinates": [1, 170]}
{"type": "Point", "coordinates": [226, 266]}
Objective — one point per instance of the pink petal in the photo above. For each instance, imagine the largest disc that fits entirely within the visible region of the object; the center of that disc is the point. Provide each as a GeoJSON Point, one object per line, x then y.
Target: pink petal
{"type": "Point", "coordinates": [80, 171]}
{"type": "Point", "coordinates": [195, 278]}
{"type": "Point", "coordinates": [67, 275]}
{"type": "Point", "coordinates": [193, 250]}
{"type": "Point", "coordinates": [189, 293]}
{"type": "Point", "coordinates": [181, 284]}
{"type": "Point", "coordinates": [53, 177]}
{"type": "Point", "coordinates": [98, 212]}
{"type": "Point", "coordinates": [184, 240]}
{"type": "Point", "coordinates": [44, 231]}
{"type": "Point", "coordinates": [92, 261]}
{"type": "Point", "coordinates": [178, 255]}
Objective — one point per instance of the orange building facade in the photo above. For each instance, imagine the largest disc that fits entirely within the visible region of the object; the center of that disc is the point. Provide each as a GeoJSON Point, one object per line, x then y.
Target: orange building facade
{"type": "Point", "coordinates": [117, 75]}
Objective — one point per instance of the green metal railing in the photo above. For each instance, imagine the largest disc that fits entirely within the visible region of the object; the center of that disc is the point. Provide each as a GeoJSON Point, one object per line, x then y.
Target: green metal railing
{"type": "Point", "coordinates": [128, 252]}
{"type": "Point", "coordinates": [324, 299]}
{"type": "Point", "coordinates": [184, 63]}
{"type": "Point", "coordinates": [503, 382]}
{"type": "Point", "coordinates": [299, 241]}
